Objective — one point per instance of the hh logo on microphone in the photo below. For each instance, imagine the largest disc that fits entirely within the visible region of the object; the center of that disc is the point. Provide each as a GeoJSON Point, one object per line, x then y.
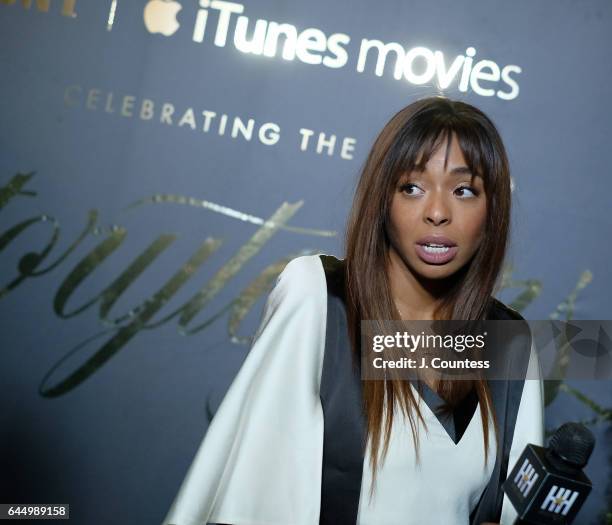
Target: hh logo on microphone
{"type": "Point", "coordinates": [543, 493]}
{"type": "Point", "coordinates": [526, 477]}
{"type": "Point", "coordinates": [559, 500]}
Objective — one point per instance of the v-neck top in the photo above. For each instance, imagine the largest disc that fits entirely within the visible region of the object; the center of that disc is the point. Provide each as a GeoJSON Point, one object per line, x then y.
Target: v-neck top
{"type": "Point", "coordinates": [443, 487]}
{"type": "Point", "coordinates": [260, 460]}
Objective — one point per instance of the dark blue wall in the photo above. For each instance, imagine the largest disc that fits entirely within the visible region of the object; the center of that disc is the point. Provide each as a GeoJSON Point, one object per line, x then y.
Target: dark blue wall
{"type": "Point", "coordinates": [105, 402]}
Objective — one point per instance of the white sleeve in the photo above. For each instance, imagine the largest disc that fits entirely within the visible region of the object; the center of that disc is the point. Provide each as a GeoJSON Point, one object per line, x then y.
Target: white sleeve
{"type": "Point", "coordinates": [260, 460]}
{"type": "Point", "coordinates": [529, 424]}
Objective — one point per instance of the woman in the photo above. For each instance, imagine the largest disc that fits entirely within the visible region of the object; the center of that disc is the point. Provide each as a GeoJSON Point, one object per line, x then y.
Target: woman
{"type": "Point", "coordinates": [299, 438]}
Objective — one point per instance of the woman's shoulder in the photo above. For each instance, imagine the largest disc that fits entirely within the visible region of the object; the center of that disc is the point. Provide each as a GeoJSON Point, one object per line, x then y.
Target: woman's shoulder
{"type": "Point", "coordinates": [299, 284]}
{"type": "Point", "coordinates": [302, 274]}
{"type": "Point", "coordinates": [313, 274]}
{"type": "Point", "coordinates": [500, 310]}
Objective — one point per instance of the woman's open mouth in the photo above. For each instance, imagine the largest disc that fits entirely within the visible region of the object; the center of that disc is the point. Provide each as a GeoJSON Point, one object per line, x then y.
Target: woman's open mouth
{"type": "Point", "coordinates": [436, 253]}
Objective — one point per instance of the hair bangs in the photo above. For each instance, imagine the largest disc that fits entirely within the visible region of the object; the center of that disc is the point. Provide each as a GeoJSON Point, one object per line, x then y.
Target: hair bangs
{"type": "Point", "coordinates": [424, 136]}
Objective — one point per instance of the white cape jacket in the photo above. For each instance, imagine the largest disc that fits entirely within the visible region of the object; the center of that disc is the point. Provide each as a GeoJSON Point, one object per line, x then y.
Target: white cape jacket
{"type": "Point", "coordinates": [260, 460]}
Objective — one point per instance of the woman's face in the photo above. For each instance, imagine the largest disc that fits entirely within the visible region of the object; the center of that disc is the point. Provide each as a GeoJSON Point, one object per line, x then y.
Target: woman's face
{"type": "Point", "coordinates": [438, 201]}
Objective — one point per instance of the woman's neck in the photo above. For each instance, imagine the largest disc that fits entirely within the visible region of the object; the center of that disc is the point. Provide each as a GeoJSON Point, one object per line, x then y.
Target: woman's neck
{"type": "Point", "coordinates": [414, 297]}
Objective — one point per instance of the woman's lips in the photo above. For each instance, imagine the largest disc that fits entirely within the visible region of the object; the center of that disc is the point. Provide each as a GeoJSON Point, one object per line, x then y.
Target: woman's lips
{"type": "Point", "coordinates": [436, 255]}
{"type": "Point", "coordinates": [436, 239]}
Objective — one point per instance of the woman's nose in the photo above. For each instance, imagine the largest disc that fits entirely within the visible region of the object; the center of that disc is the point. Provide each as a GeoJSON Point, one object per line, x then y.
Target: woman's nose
{"type": "Point", "coordinates": [436, 210]}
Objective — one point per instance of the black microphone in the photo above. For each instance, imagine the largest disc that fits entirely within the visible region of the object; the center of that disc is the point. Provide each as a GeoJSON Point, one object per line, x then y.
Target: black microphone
{"type": "Point", "coordinates": [547, 485]}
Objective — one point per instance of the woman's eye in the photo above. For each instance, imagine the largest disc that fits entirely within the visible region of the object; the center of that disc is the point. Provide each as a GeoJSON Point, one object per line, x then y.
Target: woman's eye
{"type": "Point", "coordinates": [468, 188]}
{"type": "Point", "coordinates": [406, 187]}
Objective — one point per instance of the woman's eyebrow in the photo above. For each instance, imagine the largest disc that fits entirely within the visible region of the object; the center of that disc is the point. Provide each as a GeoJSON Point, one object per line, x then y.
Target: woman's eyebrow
{"type": "Point", "coordinates": [457, 170]}
{"type": "Point", "coordinates": [462, 170]}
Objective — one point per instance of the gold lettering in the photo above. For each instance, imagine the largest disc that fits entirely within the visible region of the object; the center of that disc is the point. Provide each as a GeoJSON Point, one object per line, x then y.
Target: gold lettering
{"type": "Point", "coordinates": [77, 367]}
{"type": "Point", "coordinates": [43, 5]}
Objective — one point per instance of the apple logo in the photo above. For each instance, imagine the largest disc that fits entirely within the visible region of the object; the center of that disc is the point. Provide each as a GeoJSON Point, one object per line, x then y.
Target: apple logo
{"type": "Point", "coordinates": [160, 16]}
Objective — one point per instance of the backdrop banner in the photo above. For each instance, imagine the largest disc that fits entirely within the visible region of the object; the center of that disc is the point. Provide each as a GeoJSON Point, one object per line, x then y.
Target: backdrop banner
{"type": "Point", "coordinates": [162, 160]}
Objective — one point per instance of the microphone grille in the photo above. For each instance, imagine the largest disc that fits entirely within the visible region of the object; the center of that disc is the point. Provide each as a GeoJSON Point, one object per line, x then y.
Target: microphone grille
{"type": "Point", "coordinates": [572, 443]}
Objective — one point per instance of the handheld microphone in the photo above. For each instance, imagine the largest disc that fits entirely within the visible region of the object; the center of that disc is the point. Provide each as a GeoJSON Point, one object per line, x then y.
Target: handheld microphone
{"type": "Point", "coordinates": [547, 485]}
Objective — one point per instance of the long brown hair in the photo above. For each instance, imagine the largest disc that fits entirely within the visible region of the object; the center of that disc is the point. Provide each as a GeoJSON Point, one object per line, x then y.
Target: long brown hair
{"type": "Point", "coordinates": [419, 129]}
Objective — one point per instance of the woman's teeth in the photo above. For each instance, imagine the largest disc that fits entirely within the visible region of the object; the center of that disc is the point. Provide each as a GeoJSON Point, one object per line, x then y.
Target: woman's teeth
{"type": "Point", "coordinates": [435, 248]}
